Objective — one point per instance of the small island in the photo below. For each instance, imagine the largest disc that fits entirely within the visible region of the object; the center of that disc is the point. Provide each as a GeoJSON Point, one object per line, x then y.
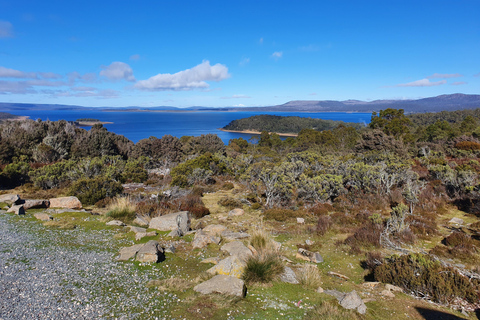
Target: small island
{"type": "Point", "coordinates": [88, 122]}
{"type": "Point", "coordinates": [288, 126]}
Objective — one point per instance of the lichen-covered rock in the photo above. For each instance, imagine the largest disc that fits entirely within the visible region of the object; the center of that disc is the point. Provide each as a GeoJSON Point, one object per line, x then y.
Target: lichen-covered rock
{"type": "Point", "coordinates": [222, 284]}
{"type": "Point", "coordinates": [18, 209]}
{"type": "Point", "coordinates": [128, 253]}
{"type": "Point", "coordinates": [231, 236]}
{"type": "Point", "coordinates": [231, 266]}
{"type": "Point", "coordinates": [172, 221]}
{"type": "Point", "coordinates": [353, 301]}
{"type": "Point", "coordinates": [66, 202]}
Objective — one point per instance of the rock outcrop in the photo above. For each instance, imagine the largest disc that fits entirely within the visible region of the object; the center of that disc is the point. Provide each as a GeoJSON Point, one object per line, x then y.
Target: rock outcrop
{"type": "Point", "coordinates": [223, 284]}
{"type": "Point", "coordinates": [172, 221]}
{"type": "Point", "coordinates": [66, 202]}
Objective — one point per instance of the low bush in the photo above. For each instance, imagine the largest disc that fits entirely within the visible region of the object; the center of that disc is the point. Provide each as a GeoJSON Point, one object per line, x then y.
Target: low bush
{"type": "Point", "coordinates": [467, 145]}
{"type": "Point", "coordinates": [228, 186]}
{"type": "Point", "coordinates": [323, 225]}
{"type": "Point", "coordinates": [309, 276]}
{"type": "Point", "coordinates": [90, 191]}
{"type": "Point", "coordinates": [279, 214]}
{"type": "Point", "coordinates": [321, 209]}
{"type": "Point", "coordinates": [365, 236]}
{"type": "Point", "coordinates": [457, 238]}
{"type": "Point", "coordinates": [263, 267]}
{"type": "Point", "coordinates": [373, 259]}
{"type": "Point", "coordinates": [256, 206]}
{"type": "Point", "coordinates": [422, 275]}
{"type": "Point", "coordinates": [122, 209]}
{"type": "Point", "coordinates": [230, 203]}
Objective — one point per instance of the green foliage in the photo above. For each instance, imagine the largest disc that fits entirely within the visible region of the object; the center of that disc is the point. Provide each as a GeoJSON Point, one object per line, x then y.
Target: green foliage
{"type": "Point", "coordinates": [54, 175]}
{"type": "Point", "coordinates": [91, 190]}
{"type": "Point", "coordinates": [391, 121]}
{"type": "Point", "coordinates": [184, 172]}
{"type": "Point", "coordinates": [426, 277]}
{"type": "Point", "coordinates": [15, 174]}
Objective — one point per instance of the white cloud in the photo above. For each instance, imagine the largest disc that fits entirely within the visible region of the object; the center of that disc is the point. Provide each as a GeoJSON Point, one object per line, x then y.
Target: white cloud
{"type": "Point", "coordinates": [6, 29]}
{"type": "Point", "coordinates": [277, 55]}
{"type": "Point", "coordinates": [422, 83]}
{"type": "Point", "coordinates": [244, 62]}
{"type": "Point", "coordinates": [135, 57]}
{"type": "Point", "coordinates": [189, 79]}
{"type": "Point", "coordinates": [87, 77]}
{"type": "Point", "coordinates": [50, 75]}
{"type": "Point", "coordinates": [45, 83]}
{"type": "Point", "coordinates": [101, 94]}
{"type": "Point", "coordinates": [237, 96]}
{"type": "Point", "coordinates": [458, 83]}
{"type": "Point", "coordinates": [12, 73]}
{"type": "Point", "coordinates": [239, 105]}
{"type": "Point", "coordinates": [15, 87]}
{"type": "Point", "coordinates": [444, 76]}
{"type": "Point", "coordinates": [118, 71]}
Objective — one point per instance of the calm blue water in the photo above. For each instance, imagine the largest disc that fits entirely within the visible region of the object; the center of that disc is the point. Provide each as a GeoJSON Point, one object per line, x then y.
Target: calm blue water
{"type": "Point", "coordinates": [140, 125]}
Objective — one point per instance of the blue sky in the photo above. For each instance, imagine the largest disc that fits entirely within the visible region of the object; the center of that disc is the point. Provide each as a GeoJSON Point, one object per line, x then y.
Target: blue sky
{"type": "Point", "coordinates": [235, 53]}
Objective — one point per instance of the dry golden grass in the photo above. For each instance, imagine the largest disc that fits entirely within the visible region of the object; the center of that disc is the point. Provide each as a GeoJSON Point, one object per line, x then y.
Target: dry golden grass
{"type": "Point", "coordinates": [309, 276]}
{"type": "Point", "coordinates": [122, 208]}
{"type": "Point", "coordinates": [171, 284]}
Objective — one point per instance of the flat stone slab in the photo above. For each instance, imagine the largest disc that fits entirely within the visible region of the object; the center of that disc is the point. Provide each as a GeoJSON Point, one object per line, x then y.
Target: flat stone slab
{"type": "Point", "coordinates": [230, 235]}
{"type": "Point", "coordinates": [214, 229]}
{"type": "Point", "coordinates": [128, 253]}
{"type": "Point", "coordinates": [42, 216]}
{"type": "Point", "coordinates": [223, 284]}
{"type": "Point", "coordinates": [115, 223]}
{"type": "Point", "coordinates": [140, 235]}
{"type": "Point", "coordinates": [33, 203]}
{"type": "Point", "coordinates": [237, 248]}
{"type": "Point", "coordinates": [141, 221]}
{"type": "Point", "coordinates": [137, 229]}
{"type": "Point", "coordinates": [172, 221]}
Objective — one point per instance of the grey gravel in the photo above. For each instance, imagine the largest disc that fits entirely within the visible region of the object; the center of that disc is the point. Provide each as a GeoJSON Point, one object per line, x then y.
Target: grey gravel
{"type": "Point", "coordinates": [50, 273]}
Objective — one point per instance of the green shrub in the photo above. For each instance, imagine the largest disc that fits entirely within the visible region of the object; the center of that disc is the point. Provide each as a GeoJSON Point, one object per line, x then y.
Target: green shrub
{"type": "Point", "coordinates": [263, 267]}
{"type": "Point", "coordinates": [279, 214]}
{"type": "Point", "coordinates": [89, 191]}
{"type": "Point", "coordinates": [426, 277]}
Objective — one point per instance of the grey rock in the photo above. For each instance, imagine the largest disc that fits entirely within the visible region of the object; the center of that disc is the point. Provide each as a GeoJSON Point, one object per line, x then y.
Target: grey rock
{"type": "Point", "coordinates": [223, 284]}
{"type": "Point", "coordinates": [178, 220]}
{"type": "Point", "coordinates": [140, 235]}
{"type": "Point", "coordinates": [42, 216]}
{"type": "Point", "coordinates": [301, 220]}
{"type": "Point", "coordinates": [237, 248]}
{"type": "Point", "coordinates": [150, 252]}
{"type": "Point", "coordinates": [309, 242]}
{"type": "Point", "coordinates": [115, 223]}
{"type": "Point", "coordinates": [31, 203]}
{"type": "Point", "coordinates": [141, 221]}
{"type": "Point", "coordinates": [137, 229]}
{"type": "Point", "coordinates": [314, 257]}
{"type": "Point", "coordinates": [17, 209]}
{"type": "Point", "coordinates": [10, 198]}
{"type": "Point", "coordinates": [236, 212]}
{"type": "Point", "coordinates": [214, 229]}
{"type": "Point", "coordinates": [129, 252]}
{"type": "Point", "coordinates": [353, 301]}
{"type": "Point", "coordinates": [231, 236]}
{"type": "Point", "coordinates": [56, 211]}
{"type": "Point", "coordinates": [289, 276]}
{"type": "Point", "coordinates": [170, 249]}
{"type": "Point", "coordinates": [456, 220]}
{"type": "Point", "coordinates": [176, 233]}
{"type": "Point", "coordinates": [232, 266]}
{"type": "Point", "coordinates": [335, 293]}
{"type": "Point", "coordinates": [202, 239]}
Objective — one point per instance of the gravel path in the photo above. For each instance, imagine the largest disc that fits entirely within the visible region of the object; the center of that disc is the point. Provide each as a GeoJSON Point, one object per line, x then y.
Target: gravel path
{"type": "Point", "coordinates": [50, 273]}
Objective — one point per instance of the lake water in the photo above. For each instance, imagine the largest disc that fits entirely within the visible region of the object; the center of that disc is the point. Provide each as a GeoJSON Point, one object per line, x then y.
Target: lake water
{"type": "Point", "coordinates": [141, 125]}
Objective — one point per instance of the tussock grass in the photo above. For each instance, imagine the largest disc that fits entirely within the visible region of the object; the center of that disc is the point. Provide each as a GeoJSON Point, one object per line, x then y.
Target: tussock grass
{"type": "Point", "coordinates": [263, 267]}
{"type": "Point", "coordinates": [122, 209]}
{"type": "Point", "coordinates": [171, 284]}
{"type": "Point", "coordinates": [309, 276]}
{"type": "Point", "coordinates": [330, 310]}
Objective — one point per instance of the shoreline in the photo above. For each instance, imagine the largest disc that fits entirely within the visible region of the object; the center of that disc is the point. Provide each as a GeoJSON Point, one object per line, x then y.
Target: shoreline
{"type": "Point", "coordinates": [258, 132]}
{"type": "Point", "coordinates": [90, 123]}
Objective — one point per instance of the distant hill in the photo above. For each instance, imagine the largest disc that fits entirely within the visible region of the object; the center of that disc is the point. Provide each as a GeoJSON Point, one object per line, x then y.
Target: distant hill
{"type": "Point", "coordinates": [446, 102]}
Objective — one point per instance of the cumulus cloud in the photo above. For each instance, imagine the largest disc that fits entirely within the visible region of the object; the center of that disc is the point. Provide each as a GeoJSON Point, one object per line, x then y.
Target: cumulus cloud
{"type": "Point", "coordinates": [12, 73]}
{"type": "Point", "coordinates": [118, 71]}
{"type": "Point", "coordinates": [277, 55]}
{"type": "Point", "coordinates": [458, 83]}
{"type": "Point", "coordinates": [87, 77]}
{"type": "Point", "coordinates": [190, 79]}
{"type": "Point", "coordinates": [15, 87]}
{"type": "Point", "coordinates": [50, 75]}
{"type": "Point", "coordinates": [6, 29]}
{"type": "Point", "coordinates": [237, 96]}
{"type": "Point", "coordinates": [444, 75]}
{"type": "Point", "coordinates": [422, 83]}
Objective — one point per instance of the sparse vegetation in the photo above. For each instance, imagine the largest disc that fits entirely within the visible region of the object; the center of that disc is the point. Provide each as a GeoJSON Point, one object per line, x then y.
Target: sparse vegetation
{"type": "Point", "coordinates": [122, 208]}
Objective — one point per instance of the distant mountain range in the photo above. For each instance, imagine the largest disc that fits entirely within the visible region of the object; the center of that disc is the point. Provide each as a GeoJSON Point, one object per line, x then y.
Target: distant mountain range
{"type": "Point", "coordinates": [446, 102]}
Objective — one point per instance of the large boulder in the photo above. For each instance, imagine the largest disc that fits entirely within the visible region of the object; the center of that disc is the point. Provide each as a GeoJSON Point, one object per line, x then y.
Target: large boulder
{"type": "Point", "coordinates": [66, 202]}
{"type": "Point", "coordinates": [128, 253]}
{"type": "Point", "coordinates": [150, 252]}
{"type": "Point", "coordinates": [231, 236]}
{"type": "Point", "coordinates": [224, 285]}
{"type": "Point", "coordinates": [172, 221]}
{"type": "Point", "coordinates": [289, 276]}
{"type": "Point", "coordinates": [231, 266]}
{"type": "Point", "coordinates": [35, 203]}
{"type": "Point", "coordinates": [18, 209]}
{"type": "Point", "coordinates": [10, 199]}
{"type": "Point", "coordinates": [141, 221]}
{"type": "Point", "coordinates": [237, 248]}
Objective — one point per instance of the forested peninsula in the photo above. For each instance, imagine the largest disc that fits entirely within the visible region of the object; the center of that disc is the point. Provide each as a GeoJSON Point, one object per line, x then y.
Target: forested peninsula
{"type": "Point", "coordinates": [284, 124]}
{"type": "Point", "coordinates": [386, 217]}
